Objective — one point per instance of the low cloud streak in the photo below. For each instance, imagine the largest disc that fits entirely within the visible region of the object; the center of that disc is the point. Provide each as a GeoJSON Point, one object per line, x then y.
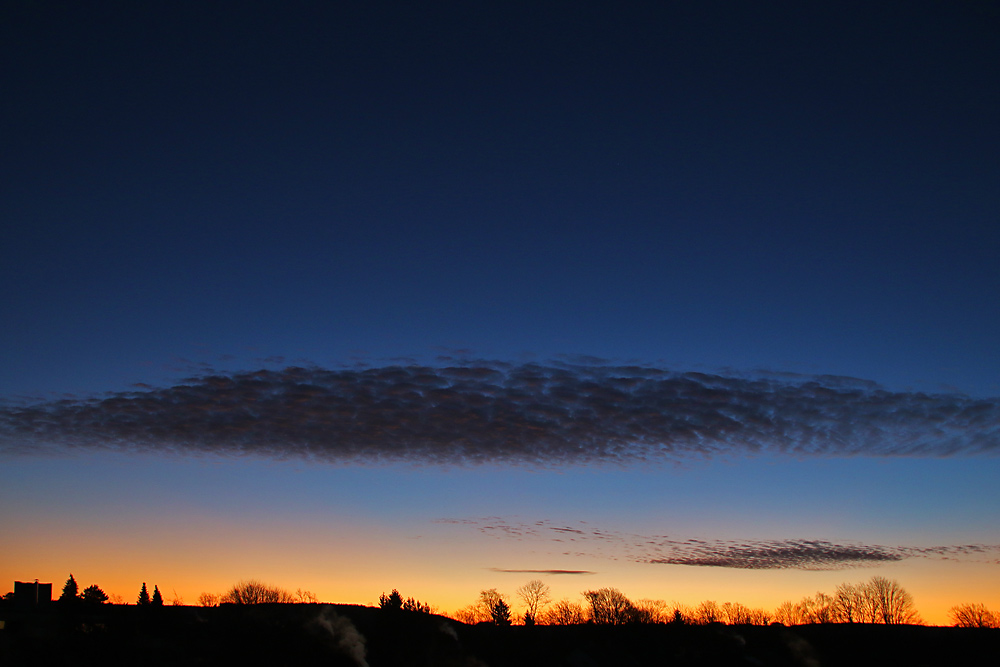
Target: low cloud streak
{"type": "Point", "coordinates": [555, 572]}
{"type": "Point", "coordinates": [517, 414]}
{"type": "Point", "coordinates": [780, 554]}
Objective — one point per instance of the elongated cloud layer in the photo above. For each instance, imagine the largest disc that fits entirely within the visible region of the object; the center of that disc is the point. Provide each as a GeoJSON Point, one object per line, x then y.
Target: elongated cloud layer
{"type": "Point", "coordinates": [584, 540]}
{"type": "Point", "coordinates": [512, 414]}
{"type": "Point", "coordinates": [553, 572]}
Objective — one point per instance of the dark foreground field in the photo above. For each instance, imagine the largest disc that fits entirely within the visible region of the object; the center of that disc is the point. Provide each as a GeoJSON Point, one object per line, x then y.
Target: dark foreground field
{"type": "Point", "coordinates": [305, 634]}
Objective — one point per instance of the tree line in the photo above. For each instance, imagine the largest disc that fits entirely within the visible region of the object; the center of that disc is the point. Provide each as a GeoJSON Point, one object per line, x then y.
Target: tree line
{"type": "Point", "coordinates": [254, 591]}
{"type": "Point", "coordinates": [878, 600]}
{"type": "Point", "coordinates": [94, 594]}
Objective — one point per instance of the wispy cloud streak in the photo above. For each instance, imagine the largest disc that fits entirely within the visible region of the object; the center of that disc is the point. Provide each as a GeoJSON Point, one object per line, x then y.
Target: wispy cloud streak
{"type": "Point", "coordinates": [781, 554]}
{"type": "Point", "coordinates": [512, 414]}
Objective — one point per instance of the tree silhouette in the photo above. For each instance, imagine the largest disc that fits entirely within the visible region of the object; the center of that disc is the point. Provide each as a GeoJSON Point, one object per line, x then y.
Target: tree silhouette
{"type": "Point", "coordinates": [787, 613]}
{"type": "Point", "coordinates": [305, 596]}
{"type": "Point", "coordinates": [564, 612]}
{"type": "Point", "coordinates": [974, 615]}
{"type": "Point", "coordinates": [847, 603]}
{"type": "Point", "coordinates": [93, 594]}
{"type": "Point", "coordinates": [734, 613]}
{"type": "Point", "coordinates": [708, 612]}
{"type": "Point", "coordinates": [412, 604]}
{"type": "Point", "coordinates": [885, 601]}
{"type": "Point", "coordinates": [157, 600]}
{"type": "Point", "coordinates": [816, 609]}
{"type": "Point", "coordinates": [69, 591]}
{"type": "Point", "coordinates": [878, 600]}
{"type": "Point", "coordinates": [649, 611]}
{"type": "Point", "coordinates": [500, 612]}
{"type": "Point", "coordinates": [209, 599]}
{"type": "Point", "coordinates": [143, 596]}
{"type": "Point", "coordinates": [535, 595]}
{"type": "Point", "coordinates": [759, 616]}
{"type": "Point", "coordinates": [253, 591]}
{"type": "Point", "coordinates": [471, 614]}
{"type": "Point", "coordinates": [609, 606]}
{"type": "Point", "coordinates": [391, 602]}
{"type": "Point", "coordinates": [492, 607]}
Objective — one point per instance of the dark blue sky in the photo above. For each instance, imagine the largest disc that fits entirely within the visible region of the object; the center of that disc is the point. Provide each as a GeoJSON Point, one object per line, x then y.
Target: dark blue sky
{"type": "Point", "coordinates": [313, 284]}
{"type": "Point", "coordinates": [807, 187]}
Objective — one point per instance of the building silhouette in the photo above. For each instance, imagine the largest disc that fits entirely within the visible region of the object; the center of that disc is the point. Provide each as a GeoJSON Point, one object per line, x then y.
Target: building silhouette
{"type": "Point", "coordinates": [30, 594]}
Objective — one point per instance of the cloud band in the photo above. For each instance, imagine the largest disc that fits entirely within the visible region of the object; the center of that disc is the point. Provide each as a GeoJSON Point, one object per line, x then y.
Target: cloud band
{"type": "Point", "coordinates": [494, 412]}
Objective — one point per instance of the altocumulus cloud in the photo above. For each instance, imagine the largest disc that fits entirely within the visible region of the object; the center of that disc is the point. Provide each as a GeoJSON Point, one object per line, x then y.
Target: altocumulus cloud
{"type": "Point", "coordinates": [493, 412]}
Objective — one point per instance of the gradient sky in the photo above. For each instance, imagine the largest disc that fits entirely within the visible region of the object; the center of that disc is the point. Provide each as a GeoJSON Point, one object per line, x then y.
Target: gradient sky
{"type": "Point", "coordinates": [696, 300]}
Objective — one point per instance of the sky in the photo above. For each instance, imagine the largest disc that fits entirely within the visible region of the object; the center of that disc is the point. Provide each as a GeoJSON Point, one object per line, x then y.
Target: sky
{"type": "Point", "coordinates": [694, 300]}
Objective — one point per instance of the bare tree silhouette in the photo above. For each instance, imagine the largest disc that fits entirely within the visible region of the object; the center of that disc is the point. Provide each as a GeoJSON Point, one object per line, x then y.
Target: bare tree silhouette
{"type": "Point", "coordinates": [650, 611]}
{"type": "Point", "coordinates": [535, 595]}
{"type": "Point", "coordinates": [878, 600]}
{"type": "Point", "coordinates": [734, 613]}
{"type": "Point", "coordinates": [787, 613]}
{"type": "Point", "coordinates": [707, 612]}
{"type": "Point", "coordinates": [816, 609]}
{"type": "Point", "coordinates": [848, 600]}
{"type": "Point", "coordinates": [209, 599]}
{"type": "Point", "coordinates": [305, 596]}
{"type": "Point", "coordinates": [681, 614]}
{"type": "Point", "coordinates": [974, 615]}
{"type": "Point", "coordinates": [885, 601]}
{"type": "Point", "coordinates": [564, 612]}
{"type": "Point", "coordinates": [609, 606]}
{"type": "Point", "coordinates": [483, 609]}
{"type": "Point", "coordinates": [253, 591]}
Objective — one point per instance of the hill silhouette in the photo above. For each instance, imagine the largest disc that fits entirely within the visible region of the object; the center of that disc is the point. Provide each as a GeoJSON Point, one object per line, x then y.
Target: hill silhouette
{"type": "Point", "coordinates": [352, 635]}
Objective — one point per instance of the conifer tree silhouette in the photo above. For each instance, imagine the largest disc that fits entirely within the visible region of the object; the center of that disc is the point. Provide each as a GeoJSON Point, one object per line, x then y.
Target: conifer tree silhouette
{"type": "Point", "coordinates": [143, 596]}
{"type": "Point", "coordinates": [393, 601]}
{"type": "Point", "coordinates": [69, 591]}
{"type": "Point", "coordinates": [93, 594]}
{"type": "Point", "coordinates": [157, 598]}
{"type": "Point", "coordinates": [500, 611]}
